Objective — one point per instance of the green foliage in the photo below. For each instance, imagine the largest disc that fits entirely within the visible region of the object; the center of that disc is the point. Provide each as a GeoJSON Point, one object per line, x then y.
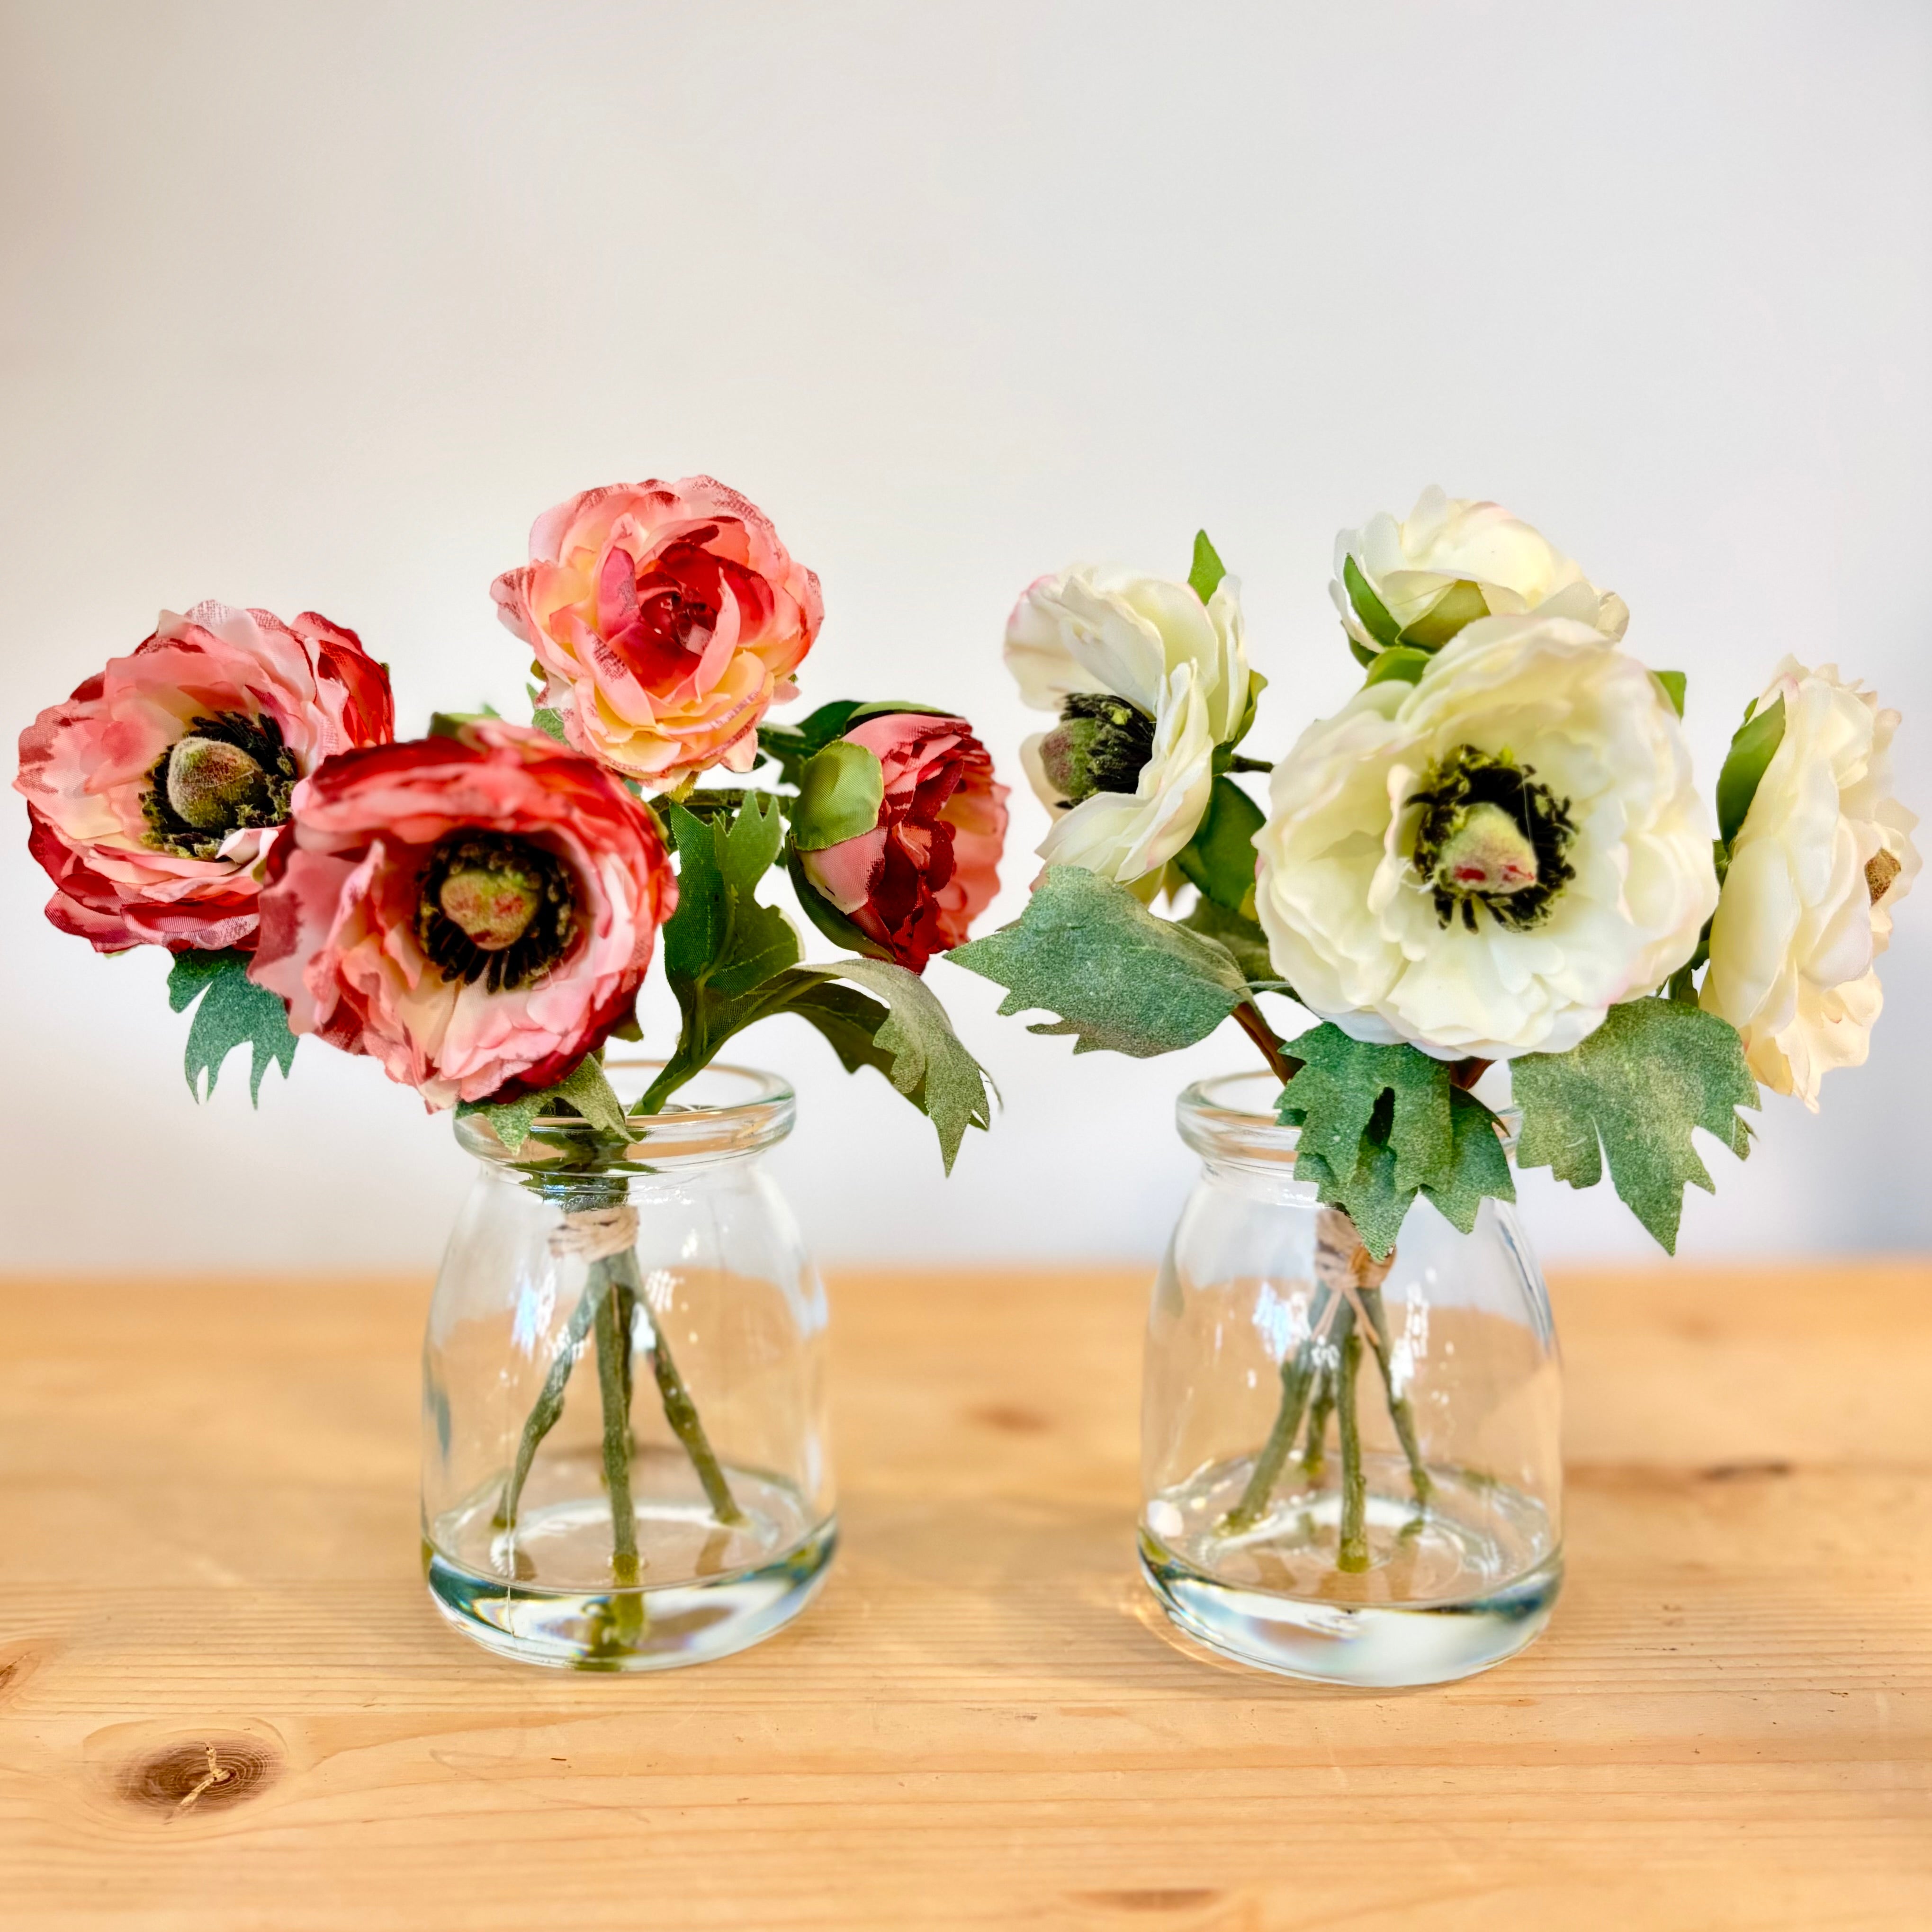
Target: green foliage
{"type": "Point", "coordinates": [1380, 1125]}
{"type": "Point", "coordinates": [1086, 949]}
{"type": "Point", "coordinates": [1220, 858]}
{"type": "Point", "coordinates": [584, 1089]}
{"type": "Point", "coordinates": [1756, 740]}
{"type": "Point", "coordinates": [1673, 683]}
{"type": "Point", "coordinates": [549, 721]}
{"type": "Point", "coordinates": [929, 1066]}
{"type": "Point", "coordinates": [1403, 661]}
{"type": "Point", "coordinates": [841, 789]}
{"type": "Point", "coordinates": [450, 724]}
{"type": "Point", "coordinates": [1372, 610]}
{"type": "Point", "coordinates": [1204, 578]}
{"type": "Point", "coordinates": [234, 1011]}
{"type": "Point", "coordinates": [826, 916]}
{"type": "Point", "coordinates": [790, 746]}
{"type": "Point", "coordinates": [1634, 1089]}
{"type": "Point", "coordinates": [1246, 942]}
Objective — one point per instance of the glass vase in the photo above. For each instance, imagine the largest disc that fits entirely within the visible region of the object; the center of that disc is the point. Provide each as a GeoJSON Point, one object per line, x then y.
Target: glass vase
{"type": "Point", "coordinates": [1351, 1472]}
{"type": "Point", "coordinates": [625, 1462]}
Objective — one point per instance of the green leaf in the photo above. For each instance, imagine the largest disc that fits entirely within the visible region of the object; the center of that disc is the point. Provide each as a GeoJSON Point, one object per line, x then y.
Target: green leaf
{"type": "Point", "coordinates": [791, 745]}
{"type": "Point", "coordinates": [1673, 684]}
{"type": "Point", "coordinates": [450, 724]}
{"type": "Point", "coordinates": [585, 1088]}
{"type": "Point", "coordinates": [1088, 950]}
{"type": "Point", "coordinates": [694, 933]}
{"type": "Point", "coordinates": [1461, 604]}
{"type": "Point", "coordinates": [1381, 1124]}
{"type": "Point", "coordinates": [930, 1066]}
{"type": "Point", "coordinates": [1204, 579]}
{"type": "Point", "coordinates": [234, 1011]}
{"type": "Point", "coordinates": [1635, 1088]}
{"type": "Point", "coordinates": [1220, 857]}
{"type": "Point", "coordinates": [753, 838]}
{"type": "Point", "coordinates": [1756, 740]}
{"type": "Point", "coordinates": [840, 792]}
{"type": "Point", "coordinates": [1370, 608]}
{"type": "Point", "coordinates": [1404, 661]}
{"type": "Point", "coordinates": [849, 1020]}
{"type": "Point", "coordinates": [549, 720]}
{"type": "Point", "coordinates": [1246, 942]}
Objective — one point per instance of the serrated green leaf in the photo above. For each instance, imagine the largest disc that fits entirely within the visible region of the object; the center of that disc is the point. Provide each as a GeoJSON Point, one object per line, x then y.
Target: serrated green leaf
{"type": "Point", "coordinates": [850, 1021]}
{"type": "Point", "coordinates": [1461, 604]}
{"type": "Point", "coordinates": [585, 1087]}
{"type": "Point", "coordinates": [1673, 683]}
{"type": "Point", "coordinates": [1220, 858]}
{"type": "Point", "coordinates": [694, 933]}
{"type": "Point", "coordinates": [1756, 740]}
{"type": "Point", "coordinates": [1381, 1124]}
{"type": "Point", "coordinates": [763, 943]}
{"type": "Point", "coordinates": [841, 790]}
{"type": "Point", "coordinates": [930, 1066]}
{"type": "Point", "coordinates": [1632, 1092]}
{"type": "Point", "coordinates": [1370, 608]}
{"type": "Point", "coordinates": [751, 841]}
{"type": "Point", "coordinates": [1246, 942]}
{"type": "Point", "coordinates": [234, 1011]}
{"type": "Point", "coordinates": [1402, 661]}
{"type": "Point", "coordinates": [1204, 579]}
{"type": "Point", "coordinates": [550, 721]}
{"type": "Point", "coordinates": [1119, 978]}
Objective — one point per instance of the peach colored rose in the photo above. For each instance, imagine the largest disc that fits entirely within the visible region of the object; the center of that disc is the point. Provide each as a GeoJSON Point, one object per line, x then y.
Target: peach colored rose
{"type": "Point", "coordinates": [914, 884]}
{"type": "Point", "coordinates": [476, 912]}
{"type": "Point", "coordinates": [156, 790]}
{"type": "Point", "coordinates": [667, 618]}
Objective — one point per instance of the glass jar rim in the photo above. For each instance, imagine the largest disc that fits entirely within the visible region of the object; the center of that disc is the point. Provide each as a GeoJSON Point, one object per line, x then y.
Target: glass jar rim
{"type": "Point", "coordinates": [723, 1113]}
{"type": "Point", "coordinates": [1217, 1118]}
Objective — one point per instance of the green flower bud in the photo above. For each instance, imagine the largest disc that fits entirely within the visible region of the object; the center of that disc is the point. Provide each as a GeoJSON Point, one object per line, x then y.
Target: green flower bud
{"type": "Point", "coordinates": [212, 786]}
{"type": "Point", "coordinates": [1101, 744]}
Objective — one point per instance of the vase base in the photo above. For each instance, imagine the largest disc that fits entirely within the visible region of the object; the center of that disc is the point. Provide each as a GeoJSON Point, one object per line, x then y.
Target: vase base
{"type": "Point", "coordinates": [1380, 1646]}
{"type": "Point", "coordinates": [661, 1628]}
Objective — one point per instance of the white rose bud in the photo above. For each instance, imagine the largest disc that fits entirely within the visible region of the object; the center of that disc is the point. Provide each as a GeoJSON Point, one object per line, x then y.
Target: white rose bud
{"type": "Point", "coordinates": [1147, 681]}
{"type": "Point", "coordinates": [1452, 561]}
{"type": "Point", "coordinates": [1486, 861]}
{"type": "Point", "coordinates": [1823, 855]}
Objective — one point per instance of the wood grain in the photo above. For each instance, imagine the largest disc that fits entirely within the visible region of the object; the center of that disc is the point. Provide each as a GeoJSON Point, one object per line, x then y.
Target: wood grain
{"type": "Point", "coordinates": [225, 1701]}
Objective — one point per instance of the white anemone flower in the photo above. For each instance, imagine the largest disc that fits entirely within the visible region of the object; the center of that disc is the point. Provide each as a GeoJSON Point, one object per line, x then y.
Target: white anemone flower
{"type": "Point", "coordinates": [1147, 681]}
{"type": "Point", "coordinates": [1486, 861]}
{"type": "Point", "coordinates": [1454, 560]}
{"type": "Point", "coordinates": [1824, 854]}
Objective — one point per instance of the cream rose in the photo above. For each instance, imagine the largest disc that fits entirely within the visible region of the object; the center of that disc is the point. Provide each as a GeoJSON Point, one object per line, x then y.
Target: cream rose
{"type": "Point", "coordinates": [1485, 862]}
{"type": "Point", "coordinates": [1824, 854]}
{"type": "Point", "coordinates": [1147, 681]}
{"type": "Point", "coordinates": [1455, 560]}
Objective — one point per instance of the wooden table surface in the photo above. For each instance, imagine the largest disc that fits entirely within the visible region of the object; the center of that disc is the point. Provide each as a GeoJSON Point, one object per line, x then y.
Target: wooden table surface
{"type": "Point", "coordinates": [208, 1543]}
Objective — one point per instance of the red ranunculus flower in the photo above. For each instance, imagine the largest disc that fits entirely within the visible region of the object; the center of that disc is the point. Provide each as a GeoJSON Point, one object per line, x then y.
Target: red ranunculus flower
{"type": "Point", "coordinates": [667, 618]}
{"type": "Point", "coordinates": [157, 790]}
{"type": "Point", "coordinates": [914, 883]}
{"type": "Point", "coordinates": [476, 912]}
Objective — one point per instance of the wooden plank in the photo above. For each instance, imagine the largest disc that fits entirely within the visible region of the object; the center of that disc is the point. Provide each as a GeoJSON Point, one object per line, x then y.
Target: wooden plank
{"type": "Point", "coordinates": [208, 1536]}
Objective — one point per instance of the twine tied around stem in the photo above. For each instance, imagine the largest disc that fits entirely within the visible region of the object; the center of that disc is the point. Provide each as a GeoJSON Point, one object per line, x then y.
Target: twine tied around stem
{"type": "Point", "coordinates": [1344, 1266]}
{"type": "Point", "coordinates": [596, 1233]}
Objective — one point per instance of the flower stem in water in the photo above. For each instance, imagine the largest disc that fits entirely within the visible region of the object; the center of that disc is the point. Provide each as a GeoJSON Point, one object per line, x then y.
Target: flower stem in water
{"type": "Point", "coordinates": [1297, 1378]}
{"type": "Point", "coordinates": [1315, 1457]}
{"type": "Point", "coordinates": [613, 1343]}
{"type": "Point", "coordinates": [681, 1412]}
{"type": "Point", "coordinates": [1402, 1412]}
{"type": "Point", "coordinates": [549, 1404]}
{"type": "Point", "coordinates": [1353, 1554]}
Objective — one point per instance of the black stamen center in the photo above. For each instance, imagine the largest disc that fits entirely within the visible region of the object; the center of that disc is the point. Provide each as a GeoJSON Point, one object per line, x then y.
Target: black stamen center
{"type": "Point", "coordinates": [1466, 789]}
{"type": "Point", "coordinates": [223, 774]}
{"type": "Point", "coordinates": [495, 908]}
{"type": "Point", "coordinates": [1101, 744]}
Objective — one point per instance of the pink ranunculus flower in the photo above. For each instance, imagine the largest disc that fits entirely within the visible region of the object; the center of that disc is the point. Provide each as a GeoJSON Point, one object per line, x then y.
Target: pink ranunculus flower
{"type": "Point", "coordinates": [914, 885]}
{"type": "Point", "coordinates": [156, 791]}
{"type": "Point", "coordinates": [477, 912]}
{"type": "Point", "coordinates": [667, 619]}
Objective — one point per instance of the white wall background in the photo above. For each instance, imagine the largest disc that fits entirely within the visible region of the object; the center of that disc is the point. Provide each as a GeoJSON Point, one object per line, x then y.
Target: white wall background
{"type": "Point", "coordinates": [317, 306]}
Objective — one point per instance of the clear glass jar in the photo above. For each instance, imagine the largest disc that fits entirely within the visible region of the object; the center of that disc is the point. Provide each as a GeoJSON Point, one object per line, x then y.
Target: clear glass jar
{"type": "Point", "coordinates": [625, 1459]}
{"type": "Point", "coordinates": [1347, 1474]}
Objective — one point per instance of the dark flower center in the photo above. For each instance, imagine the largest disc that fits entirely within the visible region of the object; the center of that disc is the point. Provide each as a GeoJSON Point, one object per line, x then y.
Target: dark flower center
{"type": "Point", "coordinates": [496, 908]}
{"type": "Point", "coordinates": [227, 771]}
{"type": "Point", "coordinates": [1491, 835]}
{"type": "Point", "coordinates": [1101, 744]}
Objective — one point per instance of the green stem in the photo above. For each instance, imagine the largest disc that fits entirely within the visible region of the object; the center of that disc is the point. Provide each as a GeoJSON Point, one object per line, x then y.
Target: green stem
{"type": "Point", "coordinates": [1401, 1411]}
{"type": "Point", "coordinates": [1315, 1457]}
{"type": "Point", "coordinates": [1297, 1378]}
{"type": "Point", "coordinates": [613, 1343]}
{"type": "Point", "coordinates": [681, 1412]}
{"type": "Point", "coordinates": [549, 1404]}
{"type": "Point", "coordinates": [1353, 1553]}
